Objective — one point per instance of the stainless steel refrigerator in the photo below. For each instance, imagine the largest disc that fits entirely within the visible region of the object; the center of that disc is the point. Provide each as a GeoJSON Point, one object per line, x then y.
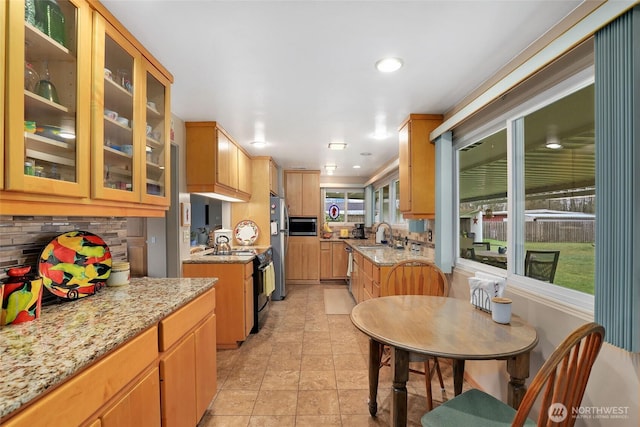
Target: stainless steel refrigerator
{"type": "Point", "coordinates": [279, 242]}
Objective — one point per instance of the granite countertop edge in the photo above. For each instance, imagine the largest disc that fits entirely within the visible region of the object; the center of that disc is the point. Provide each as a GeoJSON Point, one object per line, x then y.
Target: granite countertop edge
{"type": "Point", "coordinates": [43, 353]}
{"type": "Point", "coordinates": [387, 256]}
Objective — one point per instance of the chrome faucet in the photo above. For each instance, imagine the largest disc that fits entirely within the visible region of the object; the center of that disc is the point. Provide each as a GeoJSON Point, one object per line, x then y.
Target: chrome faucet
{"type": "Point", "coordinates": [390, 241]}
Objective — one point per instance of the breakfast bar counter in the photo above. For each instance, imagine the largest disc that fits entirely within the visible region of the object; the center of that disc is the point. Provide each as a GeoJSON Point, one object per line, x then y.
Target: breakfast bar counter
{"type": "Point", "coordinates": [68, 337]}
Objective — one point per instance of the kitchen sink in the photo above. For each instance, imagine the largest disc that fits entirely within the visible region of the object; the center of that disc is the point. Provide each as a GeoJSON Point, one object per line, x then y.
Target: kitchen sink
{"type": "Point", "coordinates": [238, 252]}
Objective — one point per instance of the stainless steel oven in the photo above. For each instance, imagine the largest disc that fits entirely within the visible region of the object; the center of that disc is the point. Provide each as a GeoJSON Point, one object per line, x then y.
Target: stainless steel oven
{"type": "Point", "coordinates": [303, 226]}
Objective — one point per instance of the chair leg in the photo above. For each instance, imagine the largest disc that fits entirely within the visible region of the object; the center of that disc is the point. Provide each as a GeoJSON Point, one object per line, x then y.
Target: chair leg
{"type": "Point", "coordinates": [437, 365]}
{"type": "Point", "coordinates": [427, 380]}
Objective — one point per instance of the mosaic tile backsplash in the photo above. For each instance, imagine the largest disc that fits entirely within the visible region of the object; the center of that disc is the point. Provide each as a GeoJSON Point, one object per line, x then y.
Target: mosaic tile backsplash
{"type": "Point", "coordinates": [22, 238]}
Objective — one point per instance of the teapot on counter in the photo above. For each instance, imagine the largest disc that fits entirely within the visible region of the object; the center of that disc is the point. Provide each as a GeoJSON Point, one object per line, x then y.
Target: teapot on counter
{"type": "Point", "coordinates": [222, 246]}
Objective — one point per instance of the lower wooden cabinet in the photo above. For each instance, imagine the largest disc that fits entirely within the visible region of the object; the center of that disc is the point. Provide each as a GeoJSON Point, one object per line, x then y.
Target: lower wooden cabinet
{"type": "Point", "coordinates": [206, 378]}
{"type": "Point", "coordinates": [188, 362]}
{"type": "Point", "coordinates": [133, 387]}
{"type": "Point", "coordinates": [138, 408]}
{"type": "Point", "coordinates": [303, 259]}
{"type": "Point", "coordinates": [234, 299]}
{"type": "Point", "coordinates": [366, 277]}
{"type": "Point", "coordinates": [334, 261]}
{"type": "Point", "coordinates": [178, 386]}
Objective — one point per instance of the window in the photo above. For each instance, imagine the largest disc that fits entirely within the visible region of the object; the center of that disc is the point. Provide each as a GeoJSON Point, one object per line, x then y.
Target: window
{"type": "Point", "coordinates": [550, 209]}
{"type": "Point", "coordinates": [387, 203]}
{"type": "Point", "coordinates": [344, 205]}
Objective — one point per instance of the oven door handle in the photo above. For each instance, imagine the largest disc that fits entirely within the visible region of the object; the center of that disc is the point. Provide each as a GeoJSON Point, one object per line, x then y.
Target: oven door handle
{"type": "Point", "coordinates": [264, 267]}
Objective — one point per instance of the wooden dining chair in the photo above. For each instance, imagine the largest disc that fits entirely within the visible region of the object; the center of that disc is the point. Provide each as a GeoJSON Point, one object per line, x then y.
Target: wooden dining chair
{"type": "Point", "coordinates": [416, 277]}
{"type": "Point", "coordinates": [541, 265]}
{"type": "Point", "coordinates": [563, 377]}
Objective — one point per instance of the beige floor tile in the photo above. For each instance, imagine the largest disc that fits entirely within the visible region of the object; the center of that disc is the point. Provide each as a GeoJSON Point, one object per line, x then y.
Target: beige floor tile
{"type": "Point", "coordinates": [317, 362]}
{"type": "Point", "coordinates": [316, 336]}
{"type": "Point", "coordinates": [276, 402]}
{"type": "Point", "coordinates": [290, 336]}
{"type": "Point", "coordinates": [244, 380]}
{"type": "Point", "coordinates": [280, 380]}
{"type": "Point", "coordinates": [345, 362]}
{"type": "Point", "coordinates": [319, 421]}
{"type": "Point", "coordinates": [316, 347]}
{"type": "Point", "coordinates": [354, 402]}
{"type": "Point", "coordinates": [317, 380]}
{"type": "Point", "coordinates": [353, 380]}
{"type": "Point", "coordinates": [272, 421]}
{"type": "Point", "coordinates": [318, 402]}
{"type": "Point", "coordinates": [364, 421]}
{"type": "Point", "coordinates": [224, 421]}
{"type": "Point", "coordinates": [234, 402]}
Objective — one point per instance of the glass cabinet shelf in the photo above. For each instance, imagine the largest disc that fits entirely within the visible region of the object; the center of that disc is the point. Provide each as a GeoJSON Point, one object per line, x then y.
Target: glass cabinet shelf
{"type": "Point", "coordinates": [40, 45]}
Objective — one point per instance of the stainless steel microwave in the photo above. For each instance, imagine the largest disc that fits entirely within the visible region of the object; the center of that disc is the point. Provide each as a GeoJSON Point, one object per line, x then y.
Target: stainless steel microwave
{"type": "Point", "coordinates": [303, 226]}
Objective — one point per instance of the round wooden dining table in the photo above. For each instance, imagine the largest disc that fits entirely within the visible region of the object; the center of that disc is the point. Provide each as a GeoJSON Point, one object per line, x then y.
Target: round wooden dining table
{"type": "Point", "coordinates": [441, 327]}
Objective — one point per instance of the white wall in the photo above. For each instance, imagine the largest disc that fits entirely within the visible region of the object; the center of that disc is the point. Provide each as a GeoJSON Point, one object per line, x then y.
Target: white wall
{"type": "Point", "coordinates": [614, 378]}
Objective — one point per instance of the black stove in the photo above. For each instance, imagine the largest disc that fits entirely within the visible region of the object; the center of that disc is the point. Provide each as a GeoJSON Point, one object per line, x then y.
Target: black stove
{"type": "Point", "coordinates": [260, 300]}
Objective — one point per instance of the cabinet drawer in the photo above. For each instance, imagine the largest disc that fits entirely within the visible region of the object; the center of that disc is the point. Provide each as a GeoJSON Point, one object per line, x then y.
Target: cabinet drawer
{"type": "Point", "coordinates": [357, 257]}
{"type": "Point", "coordinates": [375, 286]}
{"type": "Point", "coordinates": [248, 270]}
{"type": "Point", "coordinates": [368, 268]}
{"type": "Point", "coordinates": [367, 283]}
{"type": "Point", "coordinates": [376, 274]}
{"type": "Point", "coordinates": [176, 325]}
{"type": "Point", "coordinates": [325, 246]}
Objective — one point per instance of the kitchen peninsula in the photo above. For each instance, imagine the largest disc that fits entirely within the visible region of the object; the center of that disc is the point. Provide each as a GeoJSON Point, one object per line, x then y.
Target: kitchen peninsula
{"type": "Point", "coordinates": [141, 354]}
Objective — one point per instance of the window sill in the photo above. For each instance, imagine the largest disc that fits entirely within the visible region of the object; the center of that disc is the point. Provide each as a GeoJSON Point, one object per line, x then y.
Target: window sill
{"type": "Point", "coordinates": [566, 300]}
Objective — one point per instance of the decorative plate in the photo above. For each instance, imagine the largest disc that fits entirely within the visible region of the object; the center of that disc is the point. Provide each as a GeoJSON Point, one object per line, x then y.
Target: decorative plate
{"type": "Point", "coordinates": [246, 232]}
{"type": "Point", "coordinates": [75, 265]}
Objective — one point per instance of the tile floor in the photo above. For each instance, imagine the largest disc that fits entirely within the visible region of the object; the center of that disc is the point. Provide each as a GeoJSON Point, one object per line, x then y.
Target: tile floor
{"type": "Point", "coordinates": [306, 368]}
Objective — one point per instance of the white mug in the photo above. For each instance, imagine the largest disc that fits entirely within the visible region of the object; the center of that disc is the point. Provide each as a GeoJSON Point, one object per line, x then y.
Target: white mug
{"type": "Point", "coordinates": [501, 310]}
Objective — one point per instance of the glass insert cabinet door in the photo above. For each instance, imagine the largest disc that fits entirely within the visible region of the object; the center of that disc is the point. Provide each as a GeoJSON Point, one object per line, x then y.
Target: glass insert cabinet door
{"type": "Point", "coordinates": [156, 156]}
{"type": "Point", "coordinates": [116, 120]}
{"type": "Point", "coordinates": [47, 117]}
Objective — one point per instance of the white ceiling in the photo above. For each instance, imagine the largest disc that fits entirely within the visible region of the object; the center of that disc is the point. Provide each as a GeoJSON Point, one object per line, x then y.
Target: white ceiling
{"type": "Point", "coordinates": [300, 74]}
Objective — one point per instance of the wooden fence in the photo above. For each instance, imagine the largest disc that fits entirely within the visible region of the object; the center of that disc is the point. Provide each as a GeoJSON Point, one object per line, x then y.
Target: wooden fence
{"type": "Point", "coordinates": [545, 231]}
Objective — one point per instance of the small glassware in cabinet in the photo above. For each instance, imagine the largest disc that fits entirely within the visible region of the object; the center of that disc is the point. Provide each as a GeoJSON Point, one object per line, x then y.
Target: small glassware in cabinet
{"type": "Point", "coordinates": [156, 137]}
{"type": "Point", "coordinates": [48, 106]}
{"type": "Point", "coordinates": [116, 156]}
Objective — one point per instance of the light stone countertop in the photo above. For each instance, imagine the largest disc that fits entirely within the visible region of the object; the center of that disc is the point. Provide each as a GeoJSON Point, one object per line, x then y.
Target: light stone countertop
{"type": "Point", "coordinates": [42, 353]}
{"type": "Point", "coordinates": [386, 256]}
{"type": "Point", "coordinates": [206, 256]}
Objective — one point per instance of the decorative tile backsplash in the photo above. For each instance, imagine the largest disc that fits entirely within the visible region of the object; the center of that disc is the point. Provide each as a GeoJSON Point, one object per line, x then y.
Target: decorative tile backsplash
{"type": "Point", "coordinates": [22, 238]}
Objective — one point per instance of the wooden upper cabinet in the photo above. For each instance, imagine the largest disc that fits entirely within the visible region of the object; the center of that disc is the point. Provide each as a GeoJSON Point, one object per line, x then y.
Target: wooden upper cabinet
{"type": "Point", "coordinates": [215, 163]}
{"type": "Point", "coordinates": [273, 178]}
{"type": "Point", "coordinates": [302, 192]}
{"type": "Point", "coordinates": [417, 166]}
{"type": "Point", "coordinates": [117, 133]}
{"type": "Point", "coordinates": [244, 172]}
{"type": "Point", "coordinates": [48, 100]}
{"type": "Point", "coordinates": [75, 110]}
{"type": "Point", "coordinates": [3, 46]}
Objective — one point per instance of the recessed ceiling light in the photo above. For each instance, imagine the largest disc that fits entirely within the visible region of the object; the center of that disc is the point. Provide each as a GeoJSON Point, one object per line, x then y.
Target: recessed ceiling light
{"type": "Point", "coordinates": [330, 168]}
{"type": "Point", "coordinates": [365, 154]}
{"type": "Point", "coordinates": [356, 166]}
{"type": "Point", "coordinates": [337, 145]}
{"type": "Point", "coordinates": [389, 65]}
{"type": "Point", "coordinates": [380, 135]}
{"type": "Point", "coordinates": [259, 144]}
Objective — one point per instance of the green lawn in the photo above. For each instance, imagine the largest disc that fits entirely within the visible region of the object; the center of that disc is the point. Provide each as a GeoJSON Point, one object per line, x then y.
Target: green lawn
{"type": "Point", "coordinates": [575, 265]}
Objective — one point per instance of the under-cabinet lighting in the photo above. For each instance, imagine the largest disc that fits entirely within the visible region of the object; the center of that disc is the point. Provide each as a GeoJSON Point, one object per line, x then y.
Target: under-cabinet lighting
{"type": "Point", "coordinates": [219, 197]}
